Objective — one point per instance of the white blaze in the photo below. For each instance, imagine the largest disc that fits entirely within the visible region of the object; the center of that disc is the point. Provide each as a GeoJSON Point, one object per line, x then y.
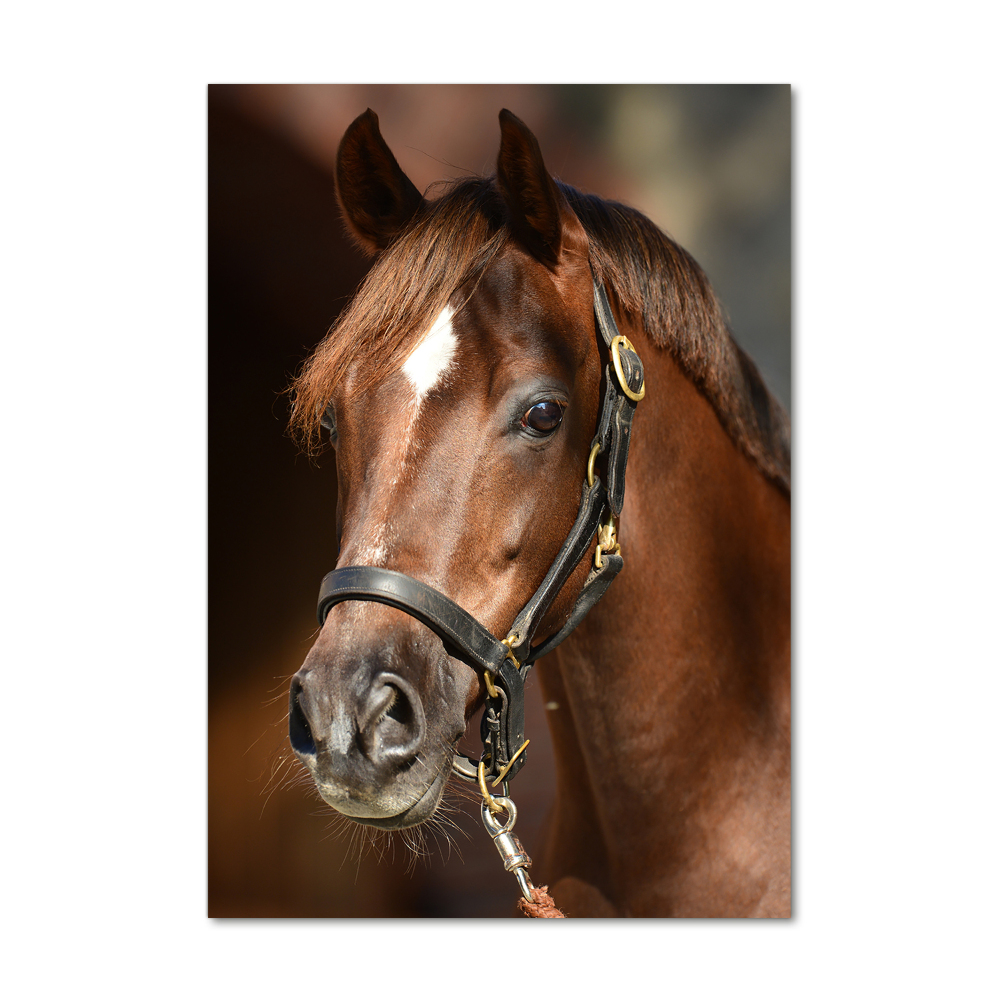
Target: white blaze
{"type": "Point", "coordinates": [432, 356]}
{"type": "Point", "coordinates": [425, 367]}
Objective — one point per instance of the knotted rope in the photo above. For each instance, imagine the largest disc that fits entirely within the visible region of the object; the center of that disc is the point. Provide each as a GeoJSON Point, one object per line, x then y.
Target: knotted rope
{"type": "Point", "coordinates": [543, 905]}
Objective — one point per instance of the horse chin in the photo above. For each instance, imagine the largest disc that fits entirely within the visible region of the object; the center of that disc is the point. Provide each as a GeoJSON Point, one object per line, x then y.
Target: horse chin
{"type": "Point", "coordinates": [421, 810]}
{"type": "Point", "coordinates": [385, 815]}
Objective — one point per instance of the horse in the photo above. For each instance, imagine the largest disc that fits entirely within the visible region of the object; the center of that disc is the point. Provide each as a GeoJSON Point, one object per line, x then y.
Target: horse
{"type": "Point", "coordinates": [514, 343]}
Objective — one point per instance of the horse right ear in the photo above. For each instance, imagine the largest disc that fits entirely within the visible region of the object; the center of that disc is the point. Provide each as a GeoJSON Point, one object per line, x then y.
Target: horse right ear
{"type": "Point", "coordinates": [540, 216]}
{"type": "Point", "coordinates": [377, 199]}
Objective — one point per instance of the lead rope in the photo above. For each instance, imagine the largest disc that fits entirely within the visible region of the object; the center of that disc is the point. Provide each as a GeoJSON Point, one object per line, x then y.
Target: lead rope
{"type": "Point", "coordinates": [543, 907]}
{"type": "Point", "coordinates": [535, 900]}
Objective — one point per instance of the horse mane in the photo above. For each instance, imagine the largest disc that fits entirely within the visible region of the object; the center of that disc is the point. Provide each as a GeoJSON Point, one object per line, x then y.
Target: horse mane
{"type": "Point", "coordinates": [452, 240]}
{"type": "Point", "coordinates": [659, 282]}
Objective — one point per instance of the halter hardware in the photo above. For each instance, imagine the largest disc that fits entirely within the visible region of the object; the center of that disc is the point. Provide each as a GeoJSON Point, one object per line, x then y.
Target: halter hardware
{"type": "Point", "coordinates": [515, 858]}
{"type": "Point", "coordinates": [505, 663]}
{"type": "Point", "coordinates": [607, 541]}
{"type": "Point", "coordinates": [491, 688]}
{"type": "Point", "coordinates": [616, 345]}
{"type": "Point", "coordinates": [503, 774]}
{"type": "Point", "coordinates": [509, 643]}
{"type": "Point", "coordinates": [594, 452]}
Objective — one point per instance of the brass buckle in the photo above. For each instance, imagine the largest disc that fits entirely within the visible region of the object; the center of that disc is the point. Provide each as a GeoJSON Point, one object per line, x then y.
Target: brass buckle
{"type": "Point", "coordinates": [607, 541]}
{"type": "Point", "coordinates": [509, 642]}
{"type": "Point", "coordinates": [616, 345]}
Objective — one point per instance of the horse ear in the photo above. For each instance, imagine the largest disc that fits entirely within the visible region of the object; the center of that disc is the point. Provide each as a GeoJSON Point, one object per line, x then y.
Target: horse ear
{"type": "Point", "coordinates": [377, 199]}
{"type": "Point", "coordinates": [540, 216]}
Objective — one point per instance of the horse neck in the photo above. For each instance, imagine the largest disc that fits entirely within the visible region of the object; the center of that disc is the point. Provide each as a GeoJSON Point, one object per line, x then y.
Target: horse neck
{"type": "Point", "coordinates": [676, 686]}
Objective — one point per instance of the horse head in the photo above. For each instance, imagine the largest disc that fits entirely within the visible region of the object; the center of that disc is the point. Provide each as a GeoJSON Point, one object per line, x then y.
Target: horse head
{"type": "Point", "coordinates": [461, 390]}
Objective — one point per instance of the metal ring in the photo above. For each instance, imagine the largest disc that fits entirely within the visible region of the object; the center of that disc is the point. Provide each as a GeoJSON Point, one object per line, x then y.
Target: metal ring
{"type": "Point", "coordinates": [490, 687]}
{"type": "Point", "coordinates": [594, 452]}
{"type": "Point", "coordinates": [616, 344]}
{"type": "Point", "coordinates": [502, 804]}
{"type": "Point", "coordinates": [488, 799]}
{"type": "Point", "coordinates": [464, 767]}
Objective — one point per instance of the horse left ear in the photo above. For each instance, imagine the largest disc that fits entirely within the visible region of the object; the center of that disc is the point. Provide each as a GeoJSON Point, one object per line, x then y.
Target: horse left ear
{"type": "Point", "coordinates": [377, 199]}
{"type": "Point", "coordinates": [539, 214]}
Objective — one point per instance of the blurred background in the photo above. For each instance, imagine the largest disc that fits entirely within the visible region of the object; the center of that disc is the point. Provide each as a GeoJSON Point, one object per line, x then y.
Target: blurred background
{"type": "Point", "coordinates": [711, 165]}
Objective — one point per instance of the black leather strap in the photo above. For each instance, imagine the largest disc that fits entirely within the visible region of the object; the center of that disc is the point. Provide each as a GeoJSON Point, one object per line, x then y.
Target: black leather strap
{"type": "Point", "coordinates": [469, 641]}
{"type": "Point", "coordinates": [619, 410]}
{"type": "Point", "coordinates": [613, 435]}
{"type": "Point", "coordinates": [596, 584]}
{"type": "Point", "coordinates": [615, 427]}
{"type": "Point", "coordinates": [576, 546]}
{"type": "Point", "coordinates": [606, 325]}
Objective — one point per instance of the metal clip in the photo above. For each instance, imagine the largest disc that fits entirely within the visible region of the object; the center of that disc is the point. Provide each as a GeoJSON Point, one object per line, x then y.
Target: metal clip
{"type": "Point", "coordinates": [515, 858]}
{"type": "Point", "coordinates": [607, 541]}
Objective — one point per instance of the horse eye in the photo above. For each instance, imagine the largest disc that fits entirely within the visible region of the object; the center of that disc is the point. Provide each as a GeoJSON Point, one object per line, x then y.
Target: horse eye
{"type": "Point", "coordinates": [543, 417]}
{"type": "Point", "coordinates": [328, 422]}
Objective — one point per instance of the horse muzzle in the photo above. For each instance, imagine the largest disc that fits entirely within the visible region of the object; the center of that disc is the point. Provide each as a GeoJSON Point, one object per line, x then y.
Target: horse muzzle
{"type": "Point", "coordinates": [360, 726]}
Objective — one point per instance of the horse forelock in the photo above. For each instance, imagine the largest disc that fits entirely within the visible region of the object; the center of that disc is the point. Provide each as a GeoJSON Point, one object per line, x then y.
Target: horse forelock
{"type": "Point", "coordinates": [451, 242]}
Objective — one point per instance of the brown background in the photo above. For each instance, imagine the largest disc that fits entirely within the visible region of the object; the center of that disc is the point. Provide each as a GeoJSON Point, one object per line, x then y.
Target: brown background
{"type": "Point", "coordinates": [710, 164]}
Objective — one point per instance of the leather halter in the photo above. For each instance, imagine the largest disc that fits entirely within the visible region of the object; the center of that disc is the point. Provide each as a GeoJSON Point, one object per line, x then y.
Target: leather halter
{"type": "Point", "coordinates": [506, 663]}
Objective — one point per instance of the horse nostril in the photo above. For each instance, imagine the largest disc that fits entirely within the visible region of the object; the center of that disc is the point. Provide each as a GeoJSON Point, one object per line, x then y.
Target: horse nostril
{"type": "Point", "coordinates": [400, 710]}
{"type": "Point", "coordinates": [299, 733]}
{"type": "Point", "coordinates": [392, 726]}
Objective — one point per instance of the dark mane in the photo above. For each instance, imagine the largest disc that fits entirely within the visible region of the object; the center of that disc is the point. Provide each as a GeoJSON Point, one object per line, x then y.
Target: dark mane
{"type": "Point", "coordinates": [661, 283]}
{"type": "Point", "coordinates": [448, 247]}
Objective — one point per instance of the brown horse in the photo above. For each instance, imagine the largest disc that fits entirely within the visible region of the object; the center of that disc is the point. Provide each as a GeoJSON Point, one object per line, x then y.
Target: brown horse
{"type": "Point", "coordinates": [463, 388]}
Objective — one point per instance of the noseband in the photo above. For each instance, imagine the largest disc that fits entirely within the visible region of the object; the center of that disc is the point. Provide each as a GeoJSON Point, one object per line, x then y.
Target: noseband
{"type": "Point", "coordinates": [505, 663]}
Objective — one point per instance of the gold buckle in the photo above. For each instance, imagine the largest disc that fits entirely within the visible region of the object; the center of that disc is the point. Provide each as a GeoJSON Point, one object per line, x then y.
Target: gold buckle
{"type": "Point", "coordinates": [491, 688]}
{"type": "Point", "coordinates": [616, 345]}
{"type": "Point", "coordinates": [508, 642]}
